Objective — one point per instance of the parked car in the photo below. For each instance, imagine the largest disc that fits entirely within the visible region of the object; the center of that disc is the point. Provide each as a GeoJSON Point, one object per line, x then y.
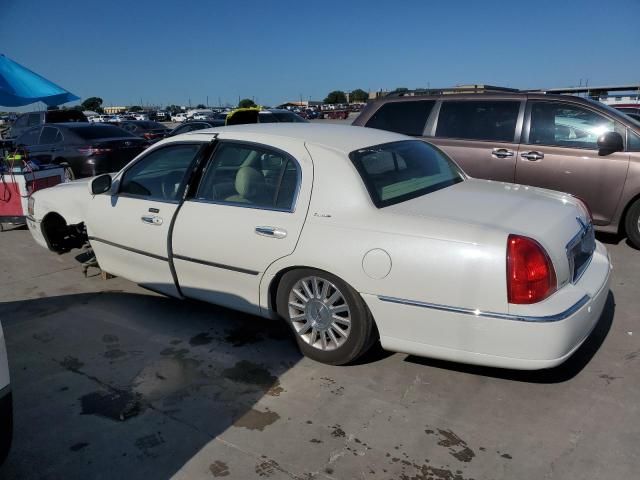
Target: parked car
{"type": "Point", "coordinates": [33, 119]}
{"type": "Point", "coordinates": [430, 261]}
{"type": "Point", "coordinates": [161, 116]}
{"type": "Point", "coordinates": [262, 115]}
{"type": "Point", "coordinates": [152, 131]}
{"type": "Point", "coordinates": [560, 142]}
{"type": "Point", "coordinates": [179, 117]}
{"type": "Point", "coordinates": [195, 125]}
{"type": "Point", "coordinates": [6, 403]}
{"type": "Point", "coordinates": [88, 149]}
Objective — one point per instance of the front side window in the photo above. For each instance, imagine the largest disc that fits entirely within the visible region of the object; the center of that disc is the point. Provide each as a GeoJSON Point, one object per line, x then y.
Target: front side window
{"type": "Point", "coordinates": [251, 176]}
{"type": "Point", "coordinates": [407, 117]}
{"type": "Point", "coordinates": [478, 120]}
{"type": "Point", "coordinates": [160, 175]}
{"type": "Point", "coordinates": [399, 171]}
{"type": "Point", "coordinates": [634, 141]}
{"type": "Point", "coordinates": [566, 125]}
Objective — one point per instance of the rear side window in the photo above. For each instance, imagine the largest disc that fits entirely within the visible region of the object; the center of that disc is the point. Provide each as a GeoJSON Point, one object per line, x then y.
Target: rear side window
{"type": "Point", "coordinates": [50, 135]}
{"type": "Point", "coordinates": [634, 141]}
{"type": "Point", "coordinates": [478, 120]}
{"type": "Point", "coordinates": [408, 118]}
{"type": "Point", "coordinates": [34, 119]}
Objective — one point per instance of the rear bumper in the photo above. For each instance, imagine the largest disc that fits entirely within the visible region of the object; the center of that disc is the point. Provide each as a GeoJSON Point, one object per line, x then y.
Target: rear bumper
{"type": "Point", "coordinates": [528, 337]}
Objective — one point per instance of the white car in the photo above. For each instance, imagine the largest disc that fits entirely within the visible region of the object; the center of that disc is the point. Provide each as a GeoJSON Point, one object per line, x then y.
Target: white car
{"type": "Point", "coordinates": [179, 117]}
{"type": "Point", "coordinates": [141, 116]}
{"type": "Point", "coordinates": [6, 405]}
{"type": "Point", "coordinates": [202, 116]}
{"type": "Point", "coordinates": [350, 234]}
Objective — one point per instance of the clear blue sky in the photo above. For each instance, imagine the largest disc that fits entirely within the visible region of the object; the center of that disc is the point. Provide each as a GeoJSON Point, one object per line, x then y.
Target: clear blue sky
{"type": "Point", "coordinates": [170, 51]}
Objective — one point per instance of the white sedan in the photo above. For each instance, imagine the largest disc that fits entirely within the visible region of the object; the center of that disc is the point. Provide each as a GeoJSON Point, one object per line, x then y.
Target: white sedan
{"type": "Point", "coordinates": [6, 405]}
{"type": "Point", "coordinates": [349, 234]}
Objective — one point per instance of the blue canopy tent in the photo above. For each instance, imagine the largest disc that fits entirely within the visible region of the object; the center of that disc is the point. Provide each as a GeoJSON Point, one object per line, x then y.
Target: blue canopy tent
{"type": "Point", "coordinates": [20, 86]}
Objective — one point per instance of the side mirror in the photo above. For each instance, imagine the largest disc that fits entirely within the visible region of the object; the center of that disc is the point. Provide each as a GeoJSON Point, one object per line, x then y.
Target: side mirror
{"type": "Point", "coordinates": [100, 184]}
{"type": "Point", "coordinates": [610, 142]}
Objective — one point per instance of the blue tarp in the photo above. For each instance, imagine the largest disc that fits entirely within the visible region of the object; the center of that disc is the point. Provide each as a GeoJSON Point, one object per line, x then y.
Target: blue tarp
{"type": "Point", "coordinates": [20, 86]}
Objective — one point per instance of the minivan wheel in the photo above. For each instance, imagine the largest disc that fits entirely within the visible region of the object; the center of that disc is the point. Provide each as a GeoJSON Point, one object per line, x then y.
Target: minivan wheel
{"type": "Point", "coordinates": [632, 224]}
{"type": "Point", "coordinates": [330, 320]}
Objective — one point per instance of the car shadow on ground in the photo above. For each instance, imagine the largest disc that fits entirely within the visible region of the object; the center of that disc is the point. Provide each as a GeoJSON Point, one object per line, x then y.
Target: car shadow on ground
{"type": "Point", "coordinates": [562, 373]}
{"type": "Point", "coordinates": [614, 239]}
{"type": "Point", "coordinates": [125, 385]}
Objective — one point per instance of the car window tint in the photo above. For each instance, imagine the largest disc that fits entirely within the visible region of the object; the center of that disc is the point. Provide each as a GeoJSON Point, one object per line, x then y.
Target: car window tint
{"type": "Point", "coordinates": [478, 120]}
{"type": "Point", "coordinates": [398, 171]}
{"type": "Point", "coordinates": [49, 135]}
{"type": "Point", "coordinates": [407, 117]}
{"type": "Point", "coordinates": [34, 119]}
{"type": "Point", "coordinates": [566, 125]}
{"type": "Point", "coordinates": [267, 118]}
{"type": "Point", "coordinates": [634, 141]}
{"type": "Point", "coordinates": [30, 137]}
{"type": "Point", "coordinates": [22, 121]}
{"type": "Point", "coordinates": [250, 176]}
{"type": "Point", "coordinates": [160, 174]}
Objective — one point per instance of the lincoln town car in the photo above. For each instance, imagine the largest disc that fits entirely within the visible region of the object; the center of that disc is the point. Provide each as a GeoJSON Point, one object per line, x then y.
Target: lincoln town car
{"type": "Point", "coordinates": [349, 234]}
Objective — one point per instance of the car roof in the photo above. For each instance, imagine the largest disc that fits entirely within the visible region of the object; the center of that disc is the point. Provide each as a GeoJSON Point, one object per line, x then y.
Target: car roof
{"type": "Point", "coordinates": [345, 138]}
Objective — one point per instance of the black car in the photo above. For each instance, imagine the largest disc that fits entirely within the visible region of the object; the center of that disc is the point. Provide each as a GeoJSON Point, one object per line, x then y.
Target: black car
{"type": "Point", "coordinates": [192, 125]}
{"type": "Point", "coordinates": [147, 129]}
{"type": "Point", "coordinates": [88, 149]}
{"type": "Point", "coordinates": [33, 119]}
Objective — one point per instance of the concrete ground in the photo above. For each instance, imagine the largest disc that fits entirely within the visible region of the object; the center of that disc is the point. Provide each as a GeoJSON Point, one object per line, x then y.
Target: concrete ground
{"type": "Point", "coordinates": [112, 381]}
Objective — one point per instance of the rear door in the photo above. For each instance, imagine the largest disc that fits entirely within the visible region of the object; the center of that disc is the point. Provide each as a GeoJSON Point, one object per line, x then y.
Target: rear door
{"type": "Point", "coordinates": [480, 135]}
{"type": "Point", "coordinates": [129, 229]}
{"type": "Point", "coordinates": [248, 211]}
{"type": "Point", "coordinates": [560, 152]}
{"type": "Point", "coordinates": [49, 144]}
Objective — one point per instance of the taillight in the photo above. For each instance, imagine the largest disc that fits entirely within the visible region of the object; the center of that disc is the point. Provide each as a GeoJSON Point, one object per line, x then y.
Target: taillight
{"type": "Point", "coordinates": [93, 150]}
{"type": "Point", "coordinates": [530, 274]}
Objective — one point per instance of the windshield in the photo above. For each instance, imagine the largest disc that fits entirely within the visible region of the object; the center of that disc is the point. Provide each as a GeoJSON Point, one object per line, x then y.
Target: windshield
{"type": "Point", "coordinates": [399, 171]}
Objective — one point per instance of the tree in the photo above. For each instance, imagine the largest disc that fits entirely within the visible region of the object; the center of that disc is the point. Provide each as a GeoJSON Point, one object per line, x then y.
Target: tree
{"type": "Point", "coordinates": [200, 106]}
{"type": "Point", "coordinates": [135, 108]}
{"type": "Point", "coordinates": [359, 96]}
{"type": "Point", "coordinates": [246, 103]}
{"type": "Point", "coordinates": [93, 104]}
{"type": "Point", "coordinates": [337, 96]}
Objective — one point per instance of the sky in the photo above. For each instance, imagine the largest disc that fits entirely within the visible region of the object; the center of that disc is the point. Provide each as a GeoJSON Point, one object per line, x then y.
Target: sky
{"type": "Point", "coordinates": [180, 51]}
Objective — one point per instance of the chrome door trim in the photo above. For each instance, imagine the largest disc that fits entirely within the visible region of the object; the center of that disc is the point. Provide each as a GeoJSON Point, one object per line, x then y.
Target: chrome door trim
{"type": "Point", "coordinates": [503, 316]}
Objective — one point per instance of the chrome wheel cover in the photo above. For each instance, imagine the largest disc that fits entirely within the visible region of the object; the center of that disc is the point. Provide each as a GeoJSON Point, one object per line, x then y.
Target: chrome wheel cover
{"type": "Point", "coordinates": [319, 313]}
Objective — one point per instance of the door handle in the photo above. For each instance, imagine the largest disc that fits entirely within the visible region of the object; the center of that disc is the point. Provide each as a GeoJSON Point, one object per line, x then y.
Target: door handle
{"type": "Point", "coordinates": [151, 219]}
{"type": "Point", "coordinates": [272, 232]}
{"type": "Point", "coordinates": [501, 153]}
{"type": "Point", "coordinates": [532, 156]}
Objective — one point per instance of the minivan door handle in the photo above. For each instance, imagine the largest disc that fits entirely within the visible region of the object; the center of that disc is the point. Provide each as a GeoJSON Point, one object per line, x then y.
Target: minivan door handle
{"type": "Point", "coordinates": [501, 153]}
{"type": "Point", "coordinates": [272, 232]}
{"type": "Point", "coordinates": [532, 156]}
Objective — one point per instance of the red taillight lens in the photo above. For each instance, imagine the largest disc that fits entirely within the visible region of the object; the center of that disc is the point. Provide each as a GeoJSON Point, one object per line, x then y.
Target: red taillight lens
{"type": "Point", "coordinates": [530, 274]}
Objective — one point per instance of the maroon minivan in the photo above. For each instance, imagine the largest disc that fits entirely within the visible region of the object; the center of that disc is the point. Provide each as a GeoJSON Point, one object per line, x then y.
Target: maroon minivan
{"type": "Point", "coordinates": [560, 142]}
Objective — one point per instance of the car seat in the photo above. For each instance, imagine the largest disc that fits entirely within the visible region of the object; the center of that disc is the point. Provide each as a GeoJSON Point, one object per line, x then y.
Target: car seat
{"type": "Point", "coordinates": [250, 186]}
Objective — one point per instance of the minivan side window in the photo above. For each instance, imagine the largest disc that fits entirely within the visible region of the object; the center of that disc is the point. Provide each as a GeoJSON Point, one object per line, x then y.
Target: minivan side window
{"type": "Point", "coordinates": [404, 117]}
{"type": "Point", "coordinates": [478, 120]}
{"type": "Point", "coordinates": [566, 125]}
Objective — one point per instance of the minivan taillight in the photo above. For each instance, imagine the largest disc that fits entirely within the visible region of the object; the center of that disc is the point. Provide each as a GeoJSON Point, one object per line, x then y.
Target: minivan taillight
{"type": "Point", "coordinates": [530, 274]}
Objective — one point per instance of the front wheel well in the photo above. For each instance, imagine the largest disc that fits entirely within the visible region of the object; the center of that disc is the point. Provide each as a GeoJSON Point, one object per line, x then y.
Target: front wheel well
{"type": "Point", "coordinates": [60, 236]}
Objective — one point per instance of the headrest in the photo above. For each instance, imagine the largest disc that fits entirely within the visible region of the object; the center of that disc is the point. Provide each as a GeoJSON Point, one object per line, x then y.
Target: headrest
{"type": "Point", "coordinates": [249, 182]}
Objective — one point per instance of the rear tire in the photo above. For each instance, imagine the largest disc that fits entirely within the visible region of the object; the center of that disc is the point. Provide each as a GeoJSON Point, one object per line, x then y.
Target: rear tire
{"type": "Point", "coordinates": [632, 224]}
{"type": "Point", "coordinates": [329, 319]}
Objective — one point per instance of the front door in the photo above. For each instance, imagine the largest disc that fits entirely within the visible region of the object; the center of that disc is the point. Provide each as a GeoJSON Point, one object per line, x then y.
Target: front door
{"type": "Point", "coordinates": [129, 229]}
{"type": "Point", "coordinates": [248, 211]}
{"type": "Point", "coordinates": [560, 152]}
{"type": "Point", "coordinates": [481, 136]}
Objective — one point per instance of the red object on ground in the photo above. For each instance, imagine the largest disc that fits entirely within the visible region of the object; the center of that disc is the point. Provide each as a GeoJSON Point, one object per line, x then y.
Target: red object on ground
{"type": "Point", "coordinates": [10, 201]}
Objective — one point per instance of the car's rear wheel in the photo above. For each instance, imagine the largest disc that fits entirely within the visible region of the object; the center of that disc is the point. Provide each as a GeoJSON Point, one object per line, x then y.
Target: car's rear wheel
{"type": "Point", "coordinates": [330, 320]}
{"type": "Point", "coordinates": [632, 224]}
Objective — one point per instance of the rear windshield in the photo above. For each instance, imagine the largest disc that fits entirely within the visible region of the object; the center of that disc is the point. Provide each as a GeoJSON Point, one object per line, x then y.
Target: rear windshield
{"type": "Point", "coordinates": [60, 116]}
{"type": "Point", "coordinates": [284, 117]}
{"type": "Point", "coordinates": [399, 171]}
{"type": "Point", "coordinates": [100, 131]}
